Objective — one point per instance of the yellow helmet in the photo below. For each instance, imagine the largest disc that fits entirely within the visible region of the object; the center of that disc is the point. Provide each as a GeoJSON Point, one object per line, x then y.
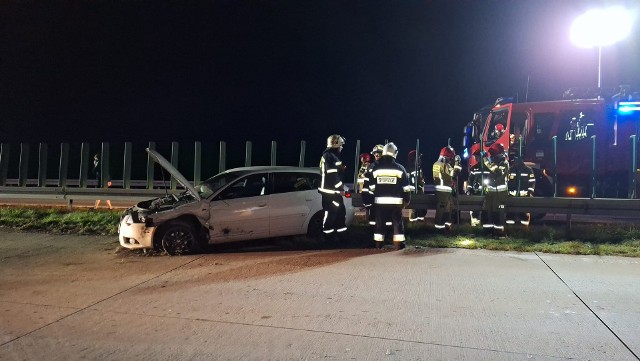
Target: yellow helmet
{"type": "Point", "coordinates": [377, 149]}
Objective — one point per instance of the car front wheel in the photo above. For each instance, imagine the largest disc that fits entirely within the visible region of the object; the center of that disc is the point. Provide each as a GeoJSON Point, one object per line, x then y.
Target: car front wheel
{"type": "Point", "coordinates": [179, 238]}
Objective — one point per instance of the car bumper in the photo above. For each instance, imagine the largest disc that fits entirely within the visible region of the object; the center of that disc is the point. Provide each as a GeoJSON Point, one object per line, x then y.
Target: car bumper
{"type": "Point", "coordinates": [135, 235]}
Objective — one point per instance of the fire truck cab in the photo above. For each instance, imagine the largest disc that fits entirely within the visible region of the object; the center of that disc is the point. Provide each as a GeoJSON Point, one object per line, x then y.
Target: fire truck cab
{"type": "Point", "coordinates": [584, 129]}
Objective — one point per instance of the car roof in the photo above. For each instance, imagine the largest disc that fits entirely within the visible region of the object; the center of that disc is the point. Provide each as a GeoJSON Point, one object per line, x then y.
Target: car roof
{"type": "Point", "coordinates": [266, 168]}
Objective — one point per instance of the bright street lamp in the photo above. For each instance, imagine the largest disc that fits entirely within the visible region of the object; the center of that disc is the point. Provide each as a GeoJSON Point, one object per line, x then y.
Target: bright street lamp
{"type": "Point", "coordinates": [601, 27]}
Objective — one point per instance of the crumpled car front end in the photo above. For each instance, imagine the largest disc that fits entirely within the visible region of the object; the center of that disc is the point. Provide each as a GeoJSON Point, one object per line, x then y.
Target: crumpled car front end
{"type": "Point", "coordinates": [137, 224]}
{"type": "Point", "coordinates": [134, 234]}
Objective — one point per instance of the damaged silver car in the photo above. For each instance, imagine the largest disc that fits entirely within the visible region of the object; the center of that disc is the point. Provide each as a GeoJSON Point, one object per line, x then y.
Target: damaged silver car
{"type": "Point", "coordinates": [237, 205]}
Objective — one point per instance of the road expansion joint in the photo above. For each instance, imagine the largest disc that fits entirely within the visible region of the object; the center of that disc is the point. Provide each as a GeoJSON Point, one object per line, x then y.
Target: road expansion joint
{"type": "Point", "coordinates": [589, 308]}
{"type": "Point", "coordinates": [98, 302]}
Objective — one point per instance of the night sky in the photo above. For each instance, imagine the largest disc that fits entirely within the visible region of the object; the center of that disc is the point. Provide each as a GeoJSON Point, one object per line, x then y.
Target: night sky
{"type": "Point", "coordinates": [73, 71]}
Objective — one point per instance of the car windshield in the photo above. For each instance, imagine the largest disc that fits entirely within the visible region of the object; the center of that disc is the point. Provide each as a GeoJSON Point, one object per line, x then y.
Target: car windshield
{"type": "Point", "coordinates": [215, 183]}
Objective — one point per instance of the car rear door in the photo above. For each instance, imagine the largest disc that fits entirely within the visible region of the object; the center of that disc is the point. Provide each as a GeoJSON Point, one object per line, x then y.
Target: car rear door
{"type": "Point", "coordinates": [294, 197]}
{"type": "Point", "coordinates": [241, 210]}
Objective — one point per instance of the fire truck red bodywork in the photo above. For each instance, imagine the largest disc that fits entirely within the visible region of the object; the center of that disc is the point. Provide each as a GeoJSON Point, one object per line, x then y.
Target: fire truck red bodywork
{"type": "Point", "coordinates": [575, 124]}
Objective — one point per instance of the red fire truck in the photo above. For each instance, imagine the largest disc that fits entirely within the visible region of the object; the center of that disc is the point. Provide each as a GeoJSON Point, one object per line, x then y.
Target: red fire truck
{"type": "Point", "coordinates": [586, 131]}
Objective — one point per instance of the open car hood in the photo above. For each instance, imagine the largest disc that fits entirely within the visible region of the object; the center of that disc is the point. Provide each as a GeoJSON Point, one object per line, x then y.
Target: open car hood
{"type": "Point", "coordinates": [174, 172]}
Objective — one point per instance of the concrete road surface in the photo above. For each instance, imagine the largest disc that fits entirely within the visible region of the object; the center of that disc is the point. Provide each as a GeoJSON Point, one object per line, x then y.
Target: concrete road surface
{"type": "Point", "coordinates": [72, 297]}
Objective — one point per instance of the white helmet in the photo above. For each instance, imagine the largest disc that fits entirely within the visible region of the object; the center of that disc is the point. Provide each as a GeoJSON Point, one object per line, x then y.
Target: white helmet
{"type": "Point", "coordinates": [335, 141]}
{"type": "Point", "coordinates": [390, 149]}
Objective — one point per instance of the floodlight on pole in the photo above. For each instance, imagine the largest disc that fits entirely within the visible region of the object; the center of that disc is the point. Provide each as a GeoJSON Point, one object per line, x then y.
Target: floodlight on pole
{"type": "Point", "coordinates": [601, 27]}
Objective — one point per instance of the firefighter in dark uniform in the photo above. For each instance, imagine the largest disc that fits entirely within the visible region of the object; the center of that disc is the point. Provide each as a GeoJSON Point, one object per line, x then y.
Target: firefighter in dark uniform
{"type": "Point", "coordinates": [475, 183]}
{"type": "Point", "coordinates": [445, 171]}
{"type": "Point", "coordinates": [332, 187]}
{"type": "Point", "coordinates": [416, 180]}
{"type": "Point", "coordinates": [367, 194]}
{"type": "Point", "coordinates": [521, 183]}
{"type": "Point", "coordinates": [496, 191]}
{"type": "Point", "coordinates": [392, 192]}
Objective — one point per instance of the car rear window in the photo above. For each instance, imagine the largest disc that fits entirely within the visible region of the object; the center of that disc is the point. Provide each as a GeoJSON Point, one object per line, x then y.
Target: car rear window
{"type": "Point", "coordinates": [284, 182]}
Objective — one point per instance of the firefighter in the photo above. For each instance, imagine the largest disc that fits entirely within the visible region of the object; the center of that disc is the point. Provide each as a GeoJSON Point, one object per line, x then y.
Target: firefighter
{"type": "Point", "coordinates": [495, 190]}
{"type": "Point", "coordinates": [416, 180]}
{"type": "Point", "coordinates": [332, 188]}
{"type": "Point", "coordinates": [367, 194]}
{"type": "Point", "coordinates": [445, 172]}
{"type": "Point", "coordinates": [498, 130]}
{"type": "Point", "coordinates": [521, 183]}
{"type": "Point", "coordinates": [392, 192]}
{"type": "Point", "coordinates": [365, 162]}
{"type": "Point", "coordinates": [475, 183]}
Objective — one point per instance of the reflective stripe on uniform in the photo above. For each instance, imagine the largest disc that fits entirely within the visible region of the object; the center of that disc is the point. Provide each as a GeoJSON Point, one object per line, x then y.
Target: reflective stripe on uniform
{"type": "Point", "coordinates": [332, 171]}
{"type": "Point", "coordinates": [388, 200]}
{"type": "Point", "coordinates": [500, 188]}
{"type": "Point", "coordinates": [440, 188]}
{"type": "Point", "coordinates": [330, 191]}
{"type": "Point", "coordinates": [398, 237]}
{"type": "Point", "coordinates": [378, 237]}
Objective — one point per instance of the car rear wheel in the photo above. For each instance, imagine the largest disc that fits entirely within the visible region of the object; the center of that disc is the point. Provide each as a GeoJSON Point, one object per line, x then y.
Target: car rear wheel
{"type": "Point", "coordinates": [178, 238]}
{"type": "Point", "coordinates": [314, 231]}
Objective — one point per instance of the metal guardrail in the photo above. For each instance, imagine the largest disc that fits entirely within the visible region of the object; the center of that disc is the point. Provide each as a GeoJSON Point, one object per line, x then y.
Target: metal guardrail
{"type": "Point", "coordinates": [584, 206]}
{"type": "Point", "coordinates": [560, 205]}
{"type": "Point", "coordinates": [69, 193]}
{"type": "Point", "coordinates": [91, 183]}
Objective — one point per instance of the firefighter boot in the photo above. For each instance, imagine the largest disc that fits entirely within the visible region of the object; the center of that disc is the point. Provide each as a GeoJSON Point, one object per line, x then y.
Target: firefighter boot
{"type": "Point", "coordinates": [475, 221]}
{"type": "Point", "coordinates": [447, 221]}
{"type": "Point", "coordinates": [499, 232]}
{"type": "Point", "coordinates": [398, 245]}
{"type": "Point", "coordinates": [329, 240]}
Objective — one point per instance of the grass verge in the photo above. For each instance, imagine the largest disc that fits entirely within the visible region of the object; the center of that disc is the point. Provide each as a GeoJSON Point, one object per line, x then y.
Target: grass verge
{"type": "Point", "coordinates": [550, 237]}
{"type": "Point", "coordinates": [60, 220]}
